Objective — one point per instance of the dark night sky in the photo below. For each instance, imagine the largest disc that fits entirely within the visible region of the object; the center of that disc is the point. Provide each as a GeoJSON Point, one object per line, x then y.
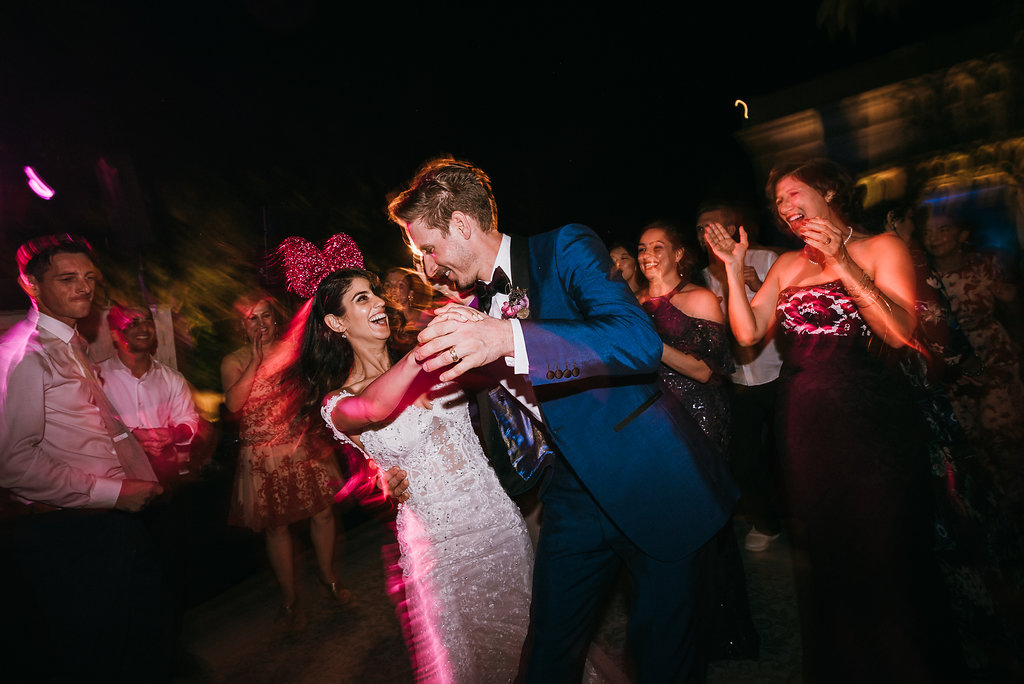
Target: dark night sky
{"type": "Point", "coordinates": [607, 117]}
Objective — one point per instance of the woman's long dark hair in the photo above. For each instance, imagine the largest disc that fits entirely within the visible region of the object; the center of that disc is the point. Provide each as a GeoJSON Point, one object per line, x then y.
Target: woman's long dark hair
{"type": "Point", "coordinates": [325, 356]}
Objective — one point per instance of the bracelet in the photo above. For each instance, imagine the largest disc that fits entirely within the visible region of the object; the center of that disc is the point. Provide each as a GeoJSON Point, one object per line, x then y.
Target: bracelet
{"type": "Point", "coordinates": [864, 284]}
{"type": "Point", "coordinates": [865, 289]}
{"type": "Point", "coordinates": [872, 296]}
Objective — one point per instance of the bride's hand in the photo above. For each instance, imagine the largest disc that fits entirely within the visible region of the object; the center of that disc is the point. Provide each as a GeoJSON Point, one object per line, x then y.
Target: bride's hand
{"type": "Point", "coordinates": [395, 484]}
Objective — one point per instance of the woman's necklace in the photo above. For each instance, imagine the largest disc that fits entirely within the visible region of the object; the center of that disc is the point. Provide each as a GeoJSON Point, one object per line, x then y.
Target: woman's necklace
{"type": "Point", "coordinates": [678, 288]}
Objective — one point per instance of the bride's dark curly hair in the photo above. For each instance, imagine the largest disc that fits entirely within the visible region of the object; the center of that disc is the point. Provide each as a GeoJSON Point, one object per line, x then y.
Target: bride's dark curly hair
{"type": "Point", "coordinates": [325, 356]}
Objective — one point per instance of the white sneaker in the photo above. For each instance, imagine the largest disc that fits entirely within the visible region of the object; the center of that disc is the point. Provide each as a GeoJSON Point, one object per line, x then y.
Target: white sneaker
{"type": "Point", "coordinates": [758, 541]}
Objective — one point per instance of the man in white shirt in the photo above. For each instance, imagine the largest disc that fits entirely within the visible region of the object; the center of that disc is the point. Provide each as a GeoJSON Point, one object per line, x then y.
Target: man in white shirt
{"type": "Point", "coordinates": [752, 393]}
{"type": "Point", "coordinates": [78, 476]}
{"type": "Point", "coordinates": [152, 399]}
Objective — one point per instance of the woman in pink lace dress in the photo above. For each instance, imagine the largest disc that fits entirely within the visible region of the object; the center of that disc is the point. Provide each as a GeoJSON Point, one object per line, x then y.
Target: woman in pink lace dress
{"type": "Point", "coordinates": [284, 474]}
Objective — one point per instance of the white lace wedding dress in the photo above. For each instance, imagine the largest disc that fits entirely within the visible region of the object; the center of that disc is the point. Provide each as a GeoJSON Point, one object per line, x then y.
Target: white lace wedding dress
{"type": "Point", "coordinates": [466, 557]}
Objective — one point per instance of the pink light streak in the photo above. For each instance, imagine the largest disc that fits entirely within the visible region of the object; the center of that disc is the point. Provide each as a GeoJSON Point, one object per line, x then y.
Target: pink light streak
{"type": "Point", "coordinates": [37, 184]}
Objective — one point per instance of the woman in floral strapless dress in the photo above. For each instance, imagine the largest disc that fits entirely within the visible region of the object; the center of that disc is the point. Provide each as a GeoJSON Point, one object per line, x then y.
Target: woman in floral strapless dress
{"type": "Point", "coordinates": [871, 604]}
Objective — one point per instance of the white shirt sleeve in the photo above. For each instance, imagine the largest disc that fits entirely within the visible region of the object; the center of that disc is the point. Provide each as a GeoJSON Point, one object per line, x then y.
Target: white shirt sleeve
{"type": "Point", "coordinates": [520, 361]}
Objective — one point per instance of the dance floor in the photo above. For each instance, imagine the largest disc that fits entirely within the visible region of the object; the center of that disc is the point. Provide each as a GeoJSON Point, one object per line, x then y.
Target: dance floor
{"type": "Point", "coordinates": [232, 638]}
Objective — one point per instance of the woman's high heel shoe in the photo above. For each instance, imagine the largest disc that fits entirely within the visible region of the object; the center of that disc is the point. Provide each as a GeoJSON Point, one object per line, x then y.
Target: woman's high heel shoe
{"type": "Point", "coordinates": [290, 617]}
{"type": "Point", "coordinates": [339, 593]}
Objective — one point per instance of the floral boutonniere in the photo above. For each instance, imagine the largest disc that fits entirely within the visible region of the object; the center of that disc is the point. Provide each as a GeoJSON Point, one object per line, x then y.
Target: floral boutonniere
{"type": "Point", "coordinates": [518, 304]}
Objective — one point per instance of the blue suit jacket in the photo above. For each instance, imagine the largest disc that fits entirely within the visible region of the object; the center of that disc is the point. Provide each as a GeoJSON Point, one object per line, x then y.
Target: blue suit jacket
{"type": "Point", "coordinates": [636, 449]}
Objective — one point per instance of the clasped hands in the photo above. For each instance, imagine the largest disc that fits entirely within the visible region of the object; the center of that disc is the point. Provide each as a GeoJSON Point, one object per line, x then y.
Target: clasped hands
{"type": "Point", "coordinates": [460, 337]}
{"type": "Point", "coordinates": [463, 338]}
{"type": "Point", "coordinates": [154, 440]}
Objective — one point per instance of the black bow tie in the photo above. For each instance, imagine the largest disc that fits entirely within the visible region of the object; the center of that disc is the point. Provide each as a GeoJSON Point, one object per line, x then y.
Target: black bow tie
{"type": "Point", "coordinates": [485, 291]}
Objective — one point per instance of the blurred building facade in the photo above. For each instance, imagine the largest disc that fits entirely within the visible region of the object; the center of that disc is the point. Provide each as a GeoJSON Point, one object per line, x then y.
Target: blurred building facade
{"type": "Point", "coordinates": [949, 133]}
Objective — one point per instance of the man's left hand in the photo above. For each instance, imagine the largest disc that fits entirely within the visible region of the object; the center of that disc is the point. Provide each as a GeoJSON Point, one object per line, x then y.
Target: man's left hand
{"type": "Point", "coordinates": [463, 340]}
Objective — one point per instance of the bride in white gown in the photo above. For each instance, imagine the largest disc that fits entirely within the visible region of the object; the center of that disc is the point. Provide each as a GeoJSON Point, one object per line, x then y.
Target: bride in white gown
{"type": "Point", "coordinates": [466, 557]}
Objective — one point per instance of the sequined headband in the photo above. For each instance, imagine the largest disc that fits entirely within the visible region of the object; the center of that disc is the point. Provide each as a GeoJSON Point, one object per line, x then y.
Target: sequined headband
{"type": "Point", "coordinates": [305, 266]}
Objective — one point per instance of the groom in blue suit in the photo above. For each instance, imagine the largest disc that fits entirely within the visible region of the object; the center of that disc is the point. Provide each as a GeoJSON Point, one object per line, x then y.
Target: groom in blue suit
{"type": "Point", "coordinates": [633, 481]}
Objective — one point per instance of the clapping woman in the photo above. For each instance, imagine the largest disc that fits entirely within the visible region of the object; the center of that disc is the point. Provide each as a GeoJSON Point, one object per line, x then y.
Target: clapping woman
{"type": "Point", "coordinates": [284, 475]}
{"type": "Point", "coordinates": [853, 467]}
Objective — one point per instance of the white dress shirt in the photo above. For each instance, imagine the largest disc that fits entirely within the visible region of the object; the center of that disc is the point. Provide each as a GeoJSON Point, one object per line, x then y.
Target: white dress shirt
{"type": "Point", "coordinates": [517, 382]}
{"type": "Point", "coordinates": [761, 362]}
{"type": "Point", "coordinates": [54, 446]}
{"type": "Point", "coordinates": [159, 399]}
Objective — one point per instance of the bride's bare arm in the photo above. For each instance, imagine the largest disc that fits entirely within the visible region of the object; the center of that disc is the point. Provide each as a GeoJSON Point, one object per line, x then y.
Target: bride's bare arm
{"type": "Point", "coordinates": [379, 399]}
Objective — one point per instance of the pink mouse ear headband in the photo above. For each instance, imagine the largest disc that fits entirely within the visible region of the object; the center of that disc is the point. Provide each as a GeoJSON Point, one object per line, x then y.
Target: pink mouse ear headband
{"type": "Point", "coordinates": [305, 265]}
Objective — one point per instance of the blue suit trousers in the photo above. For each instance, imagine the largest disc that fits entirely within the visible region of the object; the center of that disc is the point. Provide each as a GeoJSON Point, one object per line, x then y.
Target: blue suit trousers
{"type": "Point", "coordinates": [579, 555]}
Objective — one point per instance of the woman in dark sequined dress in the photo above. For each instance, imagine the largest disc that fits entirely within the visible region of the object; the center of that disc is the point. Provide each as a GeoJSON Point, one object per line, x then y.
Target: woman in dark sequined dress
{"type": "Point", "coordinates": [696, 363]}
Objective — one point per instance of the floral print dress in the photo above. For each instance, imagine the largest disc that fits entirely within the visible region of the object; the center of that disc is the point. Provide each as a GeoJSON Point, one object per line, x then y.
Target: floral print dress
{"type": "Point", "coordinates": [855, 473]}
{"type": "Point", "coordinates": [991, 409]}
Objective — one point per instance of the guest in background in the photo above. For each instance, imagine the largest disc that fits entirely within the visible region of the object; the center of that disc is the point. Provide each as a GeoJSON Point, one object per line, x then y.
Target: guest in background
{"type": "Point", "coordinates": [153, 400]}
{"type": "Point", "coordinates": [978, 546]}
{"type": "Point", "coordinates": [695, 362]}
{"type": "Point", "coordinates": [990, 405]}
{"type": "Point", "coordinates": [752, 454]}
{"type": "Point", "coordinates": [80, 477]}
{"type": "Point", "coordinates": [625, 264]}
{"type": "Point", "coordinates": [695, 367]}
{"type": "Point", "coordinates": [155, 403]}
{"type": "Point", "coordinates": [285, 472]}
{"type": "Point", "coordinates": [402, 287]}
{"type": "Point", "coordinates": [897, 217]}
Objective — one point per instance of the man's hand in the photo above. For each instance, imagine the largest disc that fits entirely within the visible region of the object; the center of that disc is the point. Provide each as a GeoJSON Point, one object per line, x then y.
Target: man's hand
{"type": "Point", "coordinates": [154, 440]}
{"type": "Point", "coordinates": [454, 338]}
{"type": "Point", "coordinates": [751, 279]}
{"type": "Point", "coordinates": [394, 483]}
{"type": "Point", "coordinates": [136, 494]}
